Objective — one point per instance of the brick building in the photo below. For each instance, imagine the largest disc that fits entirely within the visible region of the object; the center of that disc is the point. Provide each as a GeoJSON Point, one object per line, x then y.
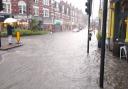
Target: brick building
{"type": "Point", "coordinates": [47, 16]}
{"type": "Point", "coordinates": [56, 15]}
{"type": "Point", "coordinates": [24, 9]}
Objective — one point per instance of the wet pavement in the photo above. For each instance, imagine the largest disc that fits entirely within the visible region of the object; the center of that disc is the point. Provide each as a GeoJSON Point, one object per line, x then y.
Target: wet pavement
{"type": "Point", "coordinates": [116, 73]}
{"type": "Point", "coordinates": [59, 61]}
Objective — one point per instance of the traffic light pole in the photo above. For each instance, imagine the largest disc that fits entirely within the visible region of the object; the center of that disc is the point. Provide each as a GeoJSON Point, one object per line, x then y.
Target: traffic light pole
{"type": "Point", "coordinates": [88, 33]}
{"type": "Point", "coordinates": [88, 10]}
{"type": "Point", "coordinates": [103, 44]}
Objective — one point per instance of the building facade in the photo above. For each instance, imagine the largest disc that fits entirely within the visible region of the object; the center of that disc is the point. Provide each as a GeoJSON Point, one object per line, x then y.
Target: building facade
{"type": "Point", "coordinates": [53, 14]}
{"type": "Point", "coordinates": [117, 25]}
{"type": "Point", "coordinates": [24, 9]}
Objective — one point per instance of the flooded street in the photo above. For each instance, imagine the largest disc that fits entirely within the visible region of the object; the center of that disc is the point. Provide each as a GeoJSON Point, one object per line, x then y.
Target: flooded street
{"type": "Point", "coordinates": [59, 61]}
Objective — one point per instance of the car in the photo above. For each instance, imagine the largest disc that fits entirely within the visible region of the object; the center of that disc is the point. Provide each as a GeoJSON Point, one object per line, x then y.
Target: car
{"type": "Point", "coordinates": [76, 30]}
{"type": "Point", "coordinates": [80, 28]}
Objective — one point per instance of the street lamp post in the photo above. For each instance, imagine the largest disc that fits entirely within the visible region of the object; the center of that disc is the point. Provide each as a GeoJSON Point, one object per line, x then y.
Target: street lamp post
{"type": "Point", "coordinates": [103, 43]}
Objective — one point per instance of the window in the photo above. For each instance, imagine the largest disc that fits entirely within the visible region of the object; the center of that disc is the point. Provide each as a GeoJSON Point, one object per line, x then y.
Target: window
{"type": "Point", "coordinates": [73, 13]}
{"type": "Point", "coordinates": [63, 9]}
{"type": "Point", "coordinates": [46, 12]}
{"type": "Point", "coordinates": [57, 6]}
{"type": "Point", "coordinates": [6, 0]}
{"type": "Point", "coordinates": [67, 11]}
{"type": "Point", "coordinates": [60, 8]}
{"type": "Point", "coordinates": [46, 2]}
{"type": "Point", "coordinates": [7, 7]}
{"type": "Point", "coordinates": [36, 1]}
{"type": "Point", "coordinates": [52, 1]}
{"type": "Point", "coordinates": [22, 7]}
{"type": "Point", "coordinates": [73, 19]}
{"type": "Point", "coordinates": [36, 11]}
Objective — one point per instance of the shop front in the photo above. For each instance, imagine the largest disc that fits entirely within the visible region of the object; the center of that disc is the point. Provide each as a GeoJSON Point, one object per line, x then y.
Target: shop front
{"type": "Point", "coordinates": [118, 25]}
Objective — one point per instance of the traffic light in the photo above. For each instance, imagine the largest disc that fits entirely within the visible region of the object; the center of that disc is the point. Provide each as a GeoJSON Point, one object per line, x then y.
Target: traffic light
{"type": "Point", "coordinates": [88, 5]}
{"type": "Point", "coordinates": [1, 5]}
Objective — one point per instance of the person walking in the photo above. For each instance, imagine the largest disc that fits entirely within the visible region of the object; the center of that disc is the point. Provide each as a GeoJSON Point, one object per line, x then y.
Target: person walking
{"type": "Point", "coordinates": [50, 27]}
{"type": "Point", "coordinates": [9, 33]}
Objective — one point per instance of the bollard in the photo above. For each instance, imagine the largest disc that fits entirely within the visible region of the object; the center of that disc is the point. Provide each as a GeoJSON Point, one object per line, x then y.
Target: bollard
{"type": "Point", "coordinates": [18, 37]}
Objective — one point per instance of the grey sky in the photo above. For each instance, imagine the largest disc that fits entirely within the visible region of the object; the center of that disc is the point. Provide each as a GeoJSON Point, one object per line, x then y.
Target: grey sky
{"type": "Point", "coordinates": [81, 5]}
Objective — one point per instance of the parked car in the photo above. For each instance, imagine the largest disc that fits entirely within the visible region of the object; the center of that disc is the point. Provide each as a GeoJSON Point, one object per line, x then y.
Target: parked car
{"type": "Point", "coordinates": [80, 28]}
{"type": "Point", "coordinates": [76, 30]}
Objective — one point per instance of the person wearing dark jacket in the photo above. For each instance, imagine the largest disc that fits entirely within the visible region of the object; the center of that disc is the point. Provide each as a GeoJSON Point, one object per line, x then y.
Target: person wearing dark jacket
{"type": "Point", "coordinates": [9, 33]}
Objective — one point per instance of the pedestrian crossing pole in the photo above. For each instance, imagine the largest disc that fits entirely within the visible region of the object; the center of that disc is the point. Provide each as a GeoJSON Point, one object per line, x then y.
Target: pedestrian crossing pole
{"type": "Point", "coordinates": [18, 37]}
{"type": "Point", "coordinates": [103, 43]}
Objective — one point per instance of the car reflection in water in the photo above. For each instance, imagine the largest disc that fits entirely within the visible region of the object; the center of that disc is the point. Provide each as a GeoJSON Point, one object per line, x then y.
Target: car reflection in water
{"type": "Point", "coordinates": [75, 30]}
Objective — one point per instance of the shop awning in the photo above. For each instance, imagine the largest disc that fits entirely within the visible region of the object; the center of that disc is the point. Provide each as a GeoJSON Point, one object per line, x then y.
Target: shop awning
{"type": "Point", "coordinates": [58, 22]}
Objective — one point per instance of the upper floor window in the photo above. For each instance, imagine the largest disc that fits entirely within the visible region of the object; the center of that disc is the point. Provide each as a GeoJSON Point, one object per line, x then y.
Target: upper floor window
{"type": "Point", "coordinates": [46, 12]}
{"type": "Point", "coordinates": [36, 1]}
{"type": "Point", "coordinates": [67, 11]}
{"type": "Point", "coordinates": [60, 7]}
{"type": "Point", "coordinates": [46, 2]}
{"type": "Point", "coordinates": [22, 7]}
{"type": "Point", "coordinates": [36, 11]}
{"type": "Point", "coordinates": [57, 6]}
{"type": "Point", "coordinates": [73, 13]}
{"type": "Point", "coordinates": [7, 7]}
{"type": "Point", "coordinates": [6, 0]}
{"type": "Point", "coordinates": [52, 1]}
{"type": "Point", "coordinates": [63, 9]}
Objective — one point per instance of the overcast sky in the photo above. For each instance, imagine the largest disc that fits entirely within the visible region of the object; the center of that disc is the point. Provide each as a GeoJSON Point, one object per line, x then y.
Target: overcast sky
{"type": "Point", "coordinates": [81, 5]}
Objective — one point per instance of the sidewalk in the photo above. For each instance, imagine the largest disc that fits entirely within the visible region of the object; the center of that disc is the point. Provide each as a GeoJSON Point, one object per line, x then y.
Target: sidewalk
{"type": "Point", "coordinates": [116, 70]}
{"type": "Point", "coordinates": [6, 46]}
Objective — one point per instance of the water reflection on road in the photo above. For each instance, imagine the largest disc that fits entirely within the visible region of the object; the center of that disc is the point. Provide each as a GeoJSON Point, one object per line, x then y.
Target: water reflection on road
{"type": "Point", "coordinates": [60, 61]}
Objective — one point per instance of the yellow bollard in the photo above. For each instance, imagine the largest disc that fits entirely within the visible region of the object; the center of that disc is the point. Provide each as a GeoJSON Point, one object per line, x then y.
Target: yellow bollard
{"type": "Point", "coordinates": [18, 37]}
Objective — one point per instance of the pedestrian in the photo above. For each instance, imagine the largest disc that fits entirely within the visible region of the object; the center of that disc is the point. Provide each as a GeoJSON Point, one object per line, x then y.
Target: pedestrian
{"type": "Point", "coordinates": [50, 29]}
{"type": "Point", "coordinates": [1, 26]}
{"type": "Point", "coordinates": [10, 29]}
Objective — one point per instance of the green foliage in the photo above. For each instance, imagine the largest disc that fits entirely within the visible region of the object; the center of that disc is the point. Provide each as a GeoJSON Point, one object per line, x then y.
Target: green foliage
{"type": "Point", "coordinates": [24, 32]}
{"type": "Point", "coordinates": [35, 25]}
